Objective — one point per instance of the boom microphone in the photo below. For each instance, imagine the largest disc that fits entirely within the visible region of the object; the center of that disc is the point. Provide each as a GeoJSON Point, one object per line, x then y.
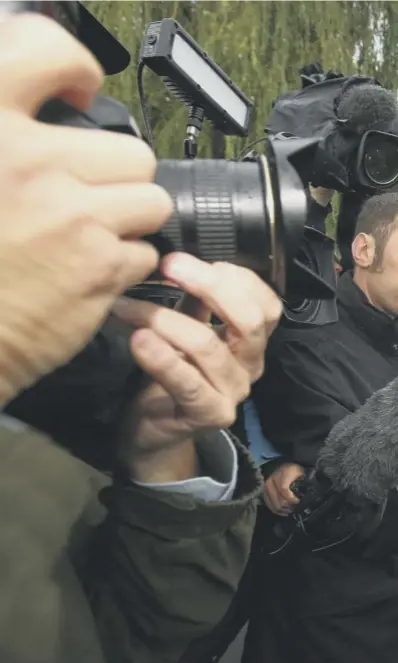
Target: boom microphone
{"type": "Point", "coordinates": [366, 107]}
{"type": "Point", "coordinates": [360, 456]}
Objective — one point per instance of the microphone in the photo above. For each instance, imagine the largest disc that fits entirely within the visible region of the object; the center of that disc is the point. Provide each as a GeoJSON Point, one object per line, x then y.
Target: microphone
{"type": "Point", "coordinates": [365, 107]}
{"type": "Point", "coordinates": [346, 493]}
{"type": "Point", "coordinates": [341, 111]}
{"type": "Point", "coordinates": [362, 108]}
{"type": "Point", "coordinates": [360, 455]}
{"type": "Point", "coordinates": [359, 107]}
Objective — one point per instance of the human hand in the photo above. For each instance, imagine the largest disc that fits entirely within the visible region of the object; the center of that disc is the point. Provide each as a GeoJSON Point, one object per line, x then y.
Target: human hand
{"type": "Point", "coordinates": [73, 205]}
{"type": "Point", "coordinates": [277, 494]}
{"type": "Point", "coordinates": [198, 376]}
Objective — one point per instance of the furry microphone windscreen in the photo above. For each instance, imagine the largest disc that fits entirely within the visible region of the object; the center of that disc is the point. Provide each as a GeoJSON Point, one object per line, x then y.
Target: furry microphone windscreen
{"type": "Point", "coordinates": [361, 452]}
{"type": "Point", "coordinates": [367, 106]}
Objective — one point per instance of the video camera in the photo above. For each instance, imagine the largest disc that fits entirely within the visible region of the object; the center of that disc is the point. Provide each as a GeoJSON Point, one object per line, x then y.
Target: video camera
{"type": "Point", "coordinates": [252, 212]}
{"type": "Point", "coordinates": [356, 120]}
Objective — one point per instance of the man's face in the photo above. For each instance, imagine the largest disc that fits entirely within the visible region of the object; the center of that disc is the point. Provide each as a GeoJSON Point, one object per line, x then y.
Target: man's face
{"type": "Point", "coordinates": [383, 282]}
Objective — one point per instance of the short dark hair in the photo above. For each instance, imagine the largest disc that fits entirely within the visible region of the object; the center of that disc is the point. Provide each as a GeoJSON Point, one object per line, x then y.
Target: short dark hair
{"type": "Point", "coordinates": [379, 217]}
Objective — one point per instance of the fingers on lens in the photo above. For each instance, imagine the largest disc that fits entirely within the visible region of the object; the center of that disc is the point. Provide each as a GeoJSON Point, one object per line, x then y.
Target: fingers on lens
{"type": "Point", "coordinates": [130, 210]}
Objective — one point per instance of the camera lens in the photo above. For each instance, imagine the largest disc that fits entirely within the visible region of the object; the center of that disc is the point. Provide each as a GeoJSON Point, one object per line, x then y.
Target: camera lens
{"type": "Point", "coordinates": [250, 213]}
{"type": "Point", "coordinates": [219, 211]}
{"type": "Point", "coordinates": [380, 160]}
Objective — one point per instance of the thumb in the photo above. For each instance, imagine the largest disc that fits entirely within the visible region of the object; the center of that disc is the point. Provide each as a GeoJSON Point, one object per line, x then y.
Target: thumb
{"type": "Point", "coordinates": [38, 60]}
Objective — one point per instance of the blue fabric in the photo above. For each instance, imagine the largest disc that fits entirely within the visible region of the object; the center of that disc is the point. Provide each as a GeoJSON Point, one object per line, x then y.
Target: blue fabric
{"type": "Point", "coordinates": [260, 448]}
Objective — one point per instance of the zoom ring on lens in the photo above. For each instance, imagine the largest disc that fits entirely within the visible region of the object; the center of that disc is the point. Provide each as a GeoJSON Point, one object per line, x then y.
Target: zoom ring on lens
{"type": "Point", "coordinates": [170, 176]}
{"type": "Point", "coordinates": [216, 232]}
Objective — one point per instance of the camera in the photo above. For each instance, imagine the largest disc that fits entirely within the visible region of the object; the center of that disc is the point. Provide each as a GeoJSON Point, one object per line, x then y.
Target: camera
{"type": "Point", "coordinates": [356, 120]}
{"type": "Point", "coordinates": [251, 213]}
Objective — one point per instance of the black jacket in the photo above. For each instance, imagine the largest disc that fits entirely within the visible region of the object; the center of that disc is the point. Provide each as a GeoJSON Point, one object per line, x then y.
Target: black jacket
{"type": "Point", "coordinates": [315, 377]}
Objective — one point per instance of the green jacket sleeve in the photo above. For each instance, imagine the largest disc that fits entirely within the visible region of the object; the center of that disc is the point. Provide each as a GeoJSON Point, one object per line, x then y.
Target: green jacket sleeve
{"type": "Point", "coordinates": [166, 567]}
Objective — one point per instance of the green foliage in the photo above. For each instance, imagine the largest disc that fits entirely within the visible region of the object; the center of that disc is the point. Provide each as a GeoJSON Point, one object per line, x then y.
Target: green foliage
{"type": "Point", "coordinates": [260, 45]}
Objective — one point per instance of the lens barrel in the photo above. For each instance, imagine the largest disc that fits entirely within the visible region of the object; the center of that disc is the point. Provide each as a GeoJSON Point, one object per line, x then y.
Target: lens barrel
{"type": "Point", "coordinates": [380, 160]}
{"type": "Point", "coordinates": [375, 165]}
{"type": "Point", "coordinates": [220, 211]}
{"type": "Point", "coordinates": [250, 213]}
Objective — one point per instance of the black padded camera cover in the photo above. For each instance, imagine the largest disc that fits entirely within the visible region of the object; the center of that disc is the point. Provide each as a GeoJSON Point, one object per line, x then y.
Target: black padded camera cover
{"type": "Point", "coordinates": [310, 111]}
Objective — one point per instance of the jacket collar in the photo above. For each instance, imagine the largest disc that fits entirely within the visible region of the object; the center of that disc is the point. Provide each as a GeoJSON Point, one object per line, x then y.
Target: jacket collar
{"type": "Point", "coordinates": [379, 328]}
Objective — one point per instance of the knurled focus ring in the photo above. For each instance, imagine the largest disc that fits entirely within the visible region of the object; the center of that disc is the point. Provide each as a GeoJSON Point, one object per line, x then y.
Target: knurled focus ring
{"type": "Point", "coordinates": [215, 227]}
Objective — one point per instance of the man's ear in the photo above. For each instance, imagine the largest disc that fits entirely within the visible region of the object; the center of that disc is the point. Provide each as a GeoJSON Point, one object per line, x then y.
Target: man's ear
{"type": "Point", "coordinates": [363, 250]}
